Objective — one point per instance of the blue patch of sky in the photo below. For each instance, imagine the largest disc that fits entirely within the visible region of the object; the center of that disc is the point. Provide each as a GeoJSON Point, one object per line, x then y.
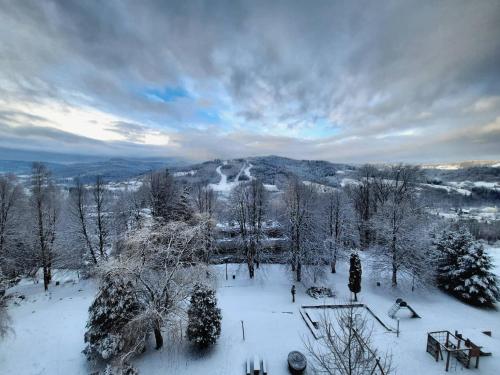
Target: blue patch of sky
{"type": "Point", "coordinates": [321, 128]}
{"type": "Point", "coordinates": [208, 116]}
{"type": "Point", "coordinates": [167, 94]}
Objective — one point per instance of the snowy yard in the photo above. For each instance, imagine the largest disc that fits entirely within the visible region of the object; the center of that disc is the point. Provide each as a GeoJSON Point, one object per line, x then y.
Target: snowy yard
{"type": "Point", "coordinates": [49, 327]}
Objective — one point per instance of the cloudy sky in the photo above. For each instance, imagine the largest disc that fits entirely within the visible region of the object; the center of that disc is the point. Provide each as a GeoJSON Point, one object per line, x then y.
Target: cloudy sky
{"type": "Point", "coordinates": [353, 81]}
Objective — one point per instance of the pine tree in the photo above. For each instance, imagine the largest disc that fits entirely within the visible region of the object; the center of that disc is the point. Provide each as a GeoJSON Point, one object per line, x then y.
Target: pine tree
{"type": "Point", "coordinates": [182, 210]}
{"type": "Point", "coordinates": [204, 317]}
{"type": "Point", "coordinates": [478, 284]}
{"type": "Point", "coordinates": [113, 307]}
{"type": "Point", "coordinates": [464, 269]}
{"type": "Point", "coordinates": [451, 246]}
{"type": "Point", "coordinates": [355, 275]}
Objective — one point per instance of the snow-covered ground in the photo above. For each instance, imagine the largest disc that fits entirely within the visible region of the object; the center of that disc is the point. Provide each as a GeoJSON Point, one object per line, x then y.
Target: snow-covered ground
{"type": "Point", "coordinates": [482, 214]}
{"type": "Point", "coordinates": [449, 189]}
{"type": "Point", "coordinates": [185, 173]}
{"type": "Point", "coordinates": [224, 186]}
{"type": "Point", "coordinates": [320, 188]}
{"type": "Point", "coordinates": [49, 327]}
{"type": "Point", "coordinates": [48, 330]}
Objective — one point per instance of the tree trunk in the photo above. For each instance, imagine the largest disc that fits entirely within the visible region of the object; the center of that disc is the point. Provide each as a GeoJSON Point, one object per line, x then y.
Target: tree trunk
{"type": "Point", "coordinates": [333, 265]}
{"type": "Point", "coordinates": [299, 271]}
{"type": "Point", "coordinates": [394, 261]}
{"type": "Point", "coordinates": [46, 278]}
{"type": "Point", "coordinates": [158, 338]}
{"type": "Point", "coordinates": [251, 269]}
{"type": "Point", "coordinates": [250, 260]}
{"type": "Point", "coordinates": [394, 276]}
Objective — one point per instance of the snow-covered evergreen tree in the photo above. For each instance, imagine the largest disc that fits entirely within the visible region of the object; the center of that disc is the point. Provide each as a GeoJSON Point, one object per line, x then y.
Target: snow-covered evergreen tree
{"type": "Point", "coordinates": [355, 275]}
{"type": "Point", "coordinates": [479, 284]}
{"type": "Point", "coordinates": [113, 307]}
{"type": "Point", "coordinates": [451, 245]}
{"type": "Point", "coordinates": [464, 268]}
{"type": "Point", "coordinates": [204, 317]}
{"type": "Point", "coordinates": [182, 210]}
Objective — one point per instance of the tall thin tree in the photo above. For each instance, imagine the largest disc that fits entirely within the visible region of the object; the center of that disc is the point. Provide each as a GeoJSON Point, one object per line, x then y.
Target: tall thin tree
{"type": "Point", "coordinates": [79, 210]}
{"type": "Point", "coordinates": [10, 195]}
{"type": "Point", "coordinates": [99, 194]}
{"type": "Point", "coordinates": [45, 216]}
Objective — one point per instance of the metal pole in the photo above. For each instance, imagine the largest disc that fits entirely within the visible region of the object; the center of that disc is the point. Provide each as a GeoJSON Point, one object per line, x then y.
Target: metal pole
{"type": "Point", "coordinates": [226, 269]}
{"type": "Point", "coordinates": [397, 332]}
{"type": "Point", "coordinates": [243, 330]}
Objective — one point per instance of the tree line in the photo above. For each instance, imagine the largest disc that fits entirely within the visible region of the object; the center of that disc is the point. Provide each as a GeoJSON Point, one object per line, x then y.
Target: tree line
{"type": "Point", "coordinates": [151, 247]}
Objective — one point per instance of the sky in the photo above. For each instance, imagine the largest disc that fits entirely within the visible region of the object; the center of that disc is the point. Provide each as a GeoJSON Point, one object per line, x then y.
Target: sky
{"type": "Point", "coordinates": [344, 81]}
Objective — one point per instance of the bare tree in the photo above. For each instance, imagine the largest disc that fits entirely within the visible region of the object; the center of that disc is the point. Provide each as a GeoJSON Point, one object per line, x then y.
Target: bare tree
{"type": "Point", "coordinates": [338, 224]}
{"type": "Point", "coordinates": [79, 211]}
{"type": "Point", "coordinates": [99, 193]}
{"type": "Point", "coordinates": [4, 316]}
{"type": "Point", "coordinates": [398, 220]}
{"type": "Point", "coordinates": [206, 203]}
{"type": "Point", "coordinates": [362, 195]}
{"type": "Point", "coordinates": [161, 262]}
{"type": "Point", "coordinates": [248, 203]}
{"type": "Point", "coordinates": [299, 202]}
{"type": "Point", "coordinates": [45, 210]}
{"type": "Point", "coordinates": [345, 346]}
{"type": "Point", "coordinates": [10, 195]}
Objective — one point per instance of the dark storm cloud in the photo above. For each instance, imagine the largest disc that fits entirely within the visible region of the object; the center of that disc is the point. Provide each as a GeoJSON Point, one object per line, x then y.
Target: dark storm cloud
{"type": "Point", "coordinates": [393, 76]}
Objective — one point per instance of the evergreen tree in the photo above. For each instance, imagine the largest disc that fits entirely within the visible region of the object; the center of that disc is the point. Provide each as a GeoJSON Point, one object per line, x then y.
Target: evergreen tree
{"type": "Point", "coordinates": [451, 245]}
{"type": "Point", "coordinates": [464, 270]}
{"type": "Point", "coordinates": [113, 307]}
{"type": "Point", "coordinates": [355, 275]}
{"type": "Point", "coordinates": [182, 210]}
{"type": "Point", "coordinates": [479, 285]}
{"type": "Point", "coordinates": [204, 317]}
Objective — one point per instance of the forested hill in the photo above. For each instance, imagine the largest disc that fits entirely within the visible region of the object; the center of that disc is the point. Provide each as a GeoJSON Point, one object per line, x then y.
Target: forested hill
{"type": "Point", "coordinates": [270, 169]}
{"type": "Point", "coordinates": [111, 170]}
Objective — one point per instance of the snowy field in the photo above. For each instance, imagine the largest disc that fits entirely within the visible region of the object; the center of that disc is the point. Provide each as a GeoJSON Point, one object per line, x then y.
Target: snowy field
{"type": "Point", "coordinates": [49, 328]}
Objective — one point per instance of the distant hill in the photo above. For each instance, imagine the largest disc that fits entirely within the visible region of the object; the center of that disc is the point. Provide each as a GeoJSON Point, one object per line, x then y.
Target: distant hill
{"type": "Point", "coordinates": [271, 169]}
{"type": "Point", "coordinates": [115, 169]}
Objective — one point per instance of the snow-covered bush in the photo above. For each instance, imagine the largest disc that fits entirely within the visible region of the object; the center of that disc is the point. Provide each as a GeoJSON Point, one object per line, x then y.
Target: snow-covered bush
{"type": "Point", "coordinates": [204, 317]}
{"type": "Point", "coordinates": [464, 269]}
{"type": "Point", "coordinates": [113, 307]}
{"type": "Point", "coordinates": [320, 292]}
{"type": "Point", "coordinates": [124, 369]}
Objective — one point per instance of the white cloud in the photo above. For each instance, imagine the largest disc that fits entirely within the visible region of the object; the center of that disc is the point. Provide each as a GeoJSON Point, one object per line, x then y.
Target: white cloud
{"type": "Point", "coordinates": [83, 121]}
